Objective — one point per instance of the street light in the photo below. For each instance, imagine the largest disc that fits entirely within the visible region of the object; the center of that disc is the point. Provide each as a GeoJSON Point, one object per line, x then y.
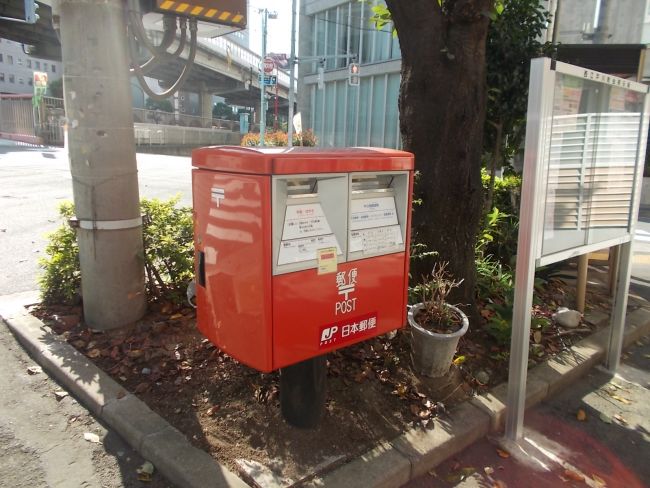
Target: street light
{"type": "Point", "coordinates": [266, 14]}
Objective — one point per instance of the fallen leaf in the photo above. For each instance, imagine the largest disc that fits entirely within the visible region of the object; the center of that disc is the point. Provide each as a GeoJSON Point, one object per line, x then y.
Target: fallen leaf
{"type": "Point", "coordinates": [212, 410]}
{"type": "Point", "coordinates": [459, 360]}
{"type": "Point", "coordinates": [620, 418]}
{"type": "Point", "coordinates": [90, 437]}
{"type": "Point", "coordinates": [415, 409]}
{"type": "Point", "coordinates": [176, 316]}
{"type": "Point", "coordinates": [488, 470]}
{"type": "Point", "coordinates": [34, 370]}
{"type": "Point", "coordinates": [145, 471]}
{"type": "Point", "coordinates": [503, 454]}
{"type": "Point", "coordinates": [572, 475]}
{"type": "Point", "coordinates": [120, 394]}
{"type": "Point", "coordinates": [94, 353]}
{"type": "Point", "coordinates": [605, 418]}
{"type": "Point", "coordinates": [600, 483]}
{"type": "Point", "coordinates": [581, 415]}
{"type": "Point", "coordinates": [537, 336]}
{"type": "Point", "coordinates": [625, 401]}
{"type": "Point", "coordinates": [142, 387]}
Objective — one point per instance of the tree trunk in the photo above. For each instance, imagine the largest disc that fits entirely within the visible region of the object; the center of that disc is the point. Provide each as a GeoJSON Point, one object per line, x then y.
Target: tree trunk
{"type": "Point", "coordinates": [442, 112]}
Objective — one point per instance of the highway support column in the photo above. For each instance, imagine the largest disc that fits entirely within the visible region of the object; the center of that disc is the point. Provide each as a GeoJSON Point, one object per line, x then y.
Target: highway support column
{"type": "Point", "coordinates": [97, 99]}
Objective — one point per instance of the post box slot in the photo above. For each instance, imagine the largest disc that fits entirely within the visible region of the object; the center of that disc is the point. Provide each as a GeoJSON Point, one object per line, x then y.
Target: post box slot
{"type": "Point", "coordinates": [309, 214]}
{"type": "Point", "coordinates": [377, 214]}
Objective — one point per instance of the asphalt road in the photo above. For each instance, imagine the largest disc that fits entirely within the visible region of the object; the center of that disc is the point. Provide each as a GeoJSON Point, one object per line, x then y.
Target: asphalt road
{"type": "Point", "coordinates": [42, 440]}
{"type": "Point", "coordinates": [34, 181]}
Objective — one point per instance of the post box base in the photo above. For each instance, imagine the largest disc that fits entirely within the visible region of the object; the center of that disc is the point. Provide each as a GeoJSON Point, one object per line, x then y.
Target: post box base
{"type": "Point", "coordinates": [302, 392]}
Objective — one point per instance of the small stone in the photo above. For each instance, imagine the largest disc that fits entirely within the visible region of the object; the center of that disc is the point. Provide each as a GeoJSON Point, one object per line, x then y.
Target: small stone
{"type": "Point", "coordinates": [482, 377]}
{"type": "Point", "coordinates": [34, 370]}
{"type": "Point", "coordinates": [60, 395]}
{"type": "Point", "coordinates": [146, 371]}
{"type": "Point", "coordinates": [67, 322]}
{"type": "Point", "coordinates": [569, 319]}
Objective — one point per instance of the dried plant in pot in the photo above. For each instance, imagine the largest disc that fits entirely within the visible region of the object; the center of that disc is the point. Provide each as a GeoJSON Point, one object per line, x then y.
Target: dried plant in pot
{"type": "Point", "coordinates": [436, 325]}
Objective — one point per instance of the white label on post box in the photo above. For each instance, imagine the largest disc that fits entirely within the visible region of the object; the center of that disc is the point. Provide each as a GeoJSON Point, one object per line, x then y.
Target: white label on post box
{"type": "Point", "coordinates": [367, 213]}
{"type": "Point", "coordinates": [305, 249]}
{"type": "Point", "coordinates": [376, 240]}
{"type": "Point", "coordinates": [306, 220]}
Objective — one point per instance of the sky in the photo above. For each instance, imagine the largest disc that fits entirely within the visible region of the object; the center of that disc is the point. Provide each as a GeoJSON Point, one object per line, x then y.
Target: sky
{"type": "Point", "coordinates": [279, 30]}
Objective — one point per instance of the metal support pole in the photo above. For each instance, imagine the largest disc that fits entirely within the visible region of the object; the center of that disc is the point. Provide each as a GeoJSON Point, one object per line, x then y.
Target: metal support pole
{"type": "Point", "coordinates": [581, 286]}
{"type": "Point", "coordinates": [265, 13]}
{"type": "Point", "coordinates": [619, 307]}
{"type": "Point", "coordinates": [97, 97]}
{"type": "Point", "coordinates": [292, 65]}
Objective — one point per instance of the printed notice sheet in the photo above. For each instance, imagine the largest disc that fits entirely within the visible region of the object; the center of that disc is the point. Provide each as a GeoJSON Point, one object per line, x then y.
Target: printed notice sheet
{"type": "Point", "coordinates": [373, 225]}
{"type": "Point", "coordinates": [366, 213]}
{"type": "Point", "coordinates": [306, 220]}
{"type": "Point", "coordinates": [305, 231]}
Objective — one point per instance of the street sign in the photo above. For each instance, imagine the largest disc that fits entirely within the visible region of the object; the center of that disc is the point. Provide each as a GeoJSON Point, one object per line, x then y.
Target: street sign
{"type": "Point", "coordinates": [268, 65]}
{"type": "Point", "coordinates": [269, 80]}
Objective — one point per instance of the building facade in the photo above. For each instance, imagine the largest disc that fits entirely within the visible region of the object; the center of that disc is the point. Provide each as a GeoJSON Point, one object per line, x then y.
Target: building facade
{"type": "Point", "coordinates": [333, 34]}
{"type": "Point", "coordinates": [17, 68]}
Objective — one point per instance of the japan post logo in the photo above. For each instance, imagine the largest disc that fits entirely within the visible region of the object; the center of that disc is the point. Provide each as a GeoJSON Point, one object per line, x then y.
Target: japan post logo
{"type": "Point", "coordinates": [327, 335]}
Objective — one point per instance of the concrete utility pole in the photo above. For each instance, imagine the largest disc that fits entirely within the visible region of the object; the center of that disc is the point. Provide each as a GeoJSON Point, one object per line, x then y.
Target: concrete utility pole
{"type": "Point", "coordinates": [97, 98]}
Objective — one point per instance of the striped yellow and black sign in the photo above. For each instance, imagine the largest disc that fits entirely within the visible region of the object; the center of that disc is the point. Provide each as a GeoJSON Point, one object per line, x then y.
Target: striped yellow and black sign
{"type": "Point", "coordinates": [231, 12]}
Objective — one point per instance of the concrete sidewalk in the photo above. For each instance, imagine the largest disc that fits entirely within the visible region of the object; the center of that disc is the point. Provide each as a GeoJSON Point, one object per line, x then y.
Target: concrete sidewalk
{"type": "Point", "coordinates": [599, 431]}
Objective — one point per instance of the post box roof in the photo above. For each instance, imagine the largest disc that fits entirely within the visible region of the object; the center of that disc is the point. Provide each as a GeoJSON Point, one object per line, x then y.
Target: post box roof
{"type": "Point", "coordinates": [300, 160]}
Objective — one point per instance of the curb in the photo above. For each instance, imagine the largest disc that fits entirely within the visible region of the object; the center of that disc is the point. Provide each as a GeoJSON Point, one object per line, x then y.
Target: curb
{"type": "Point", "coordinates": [391, 464]}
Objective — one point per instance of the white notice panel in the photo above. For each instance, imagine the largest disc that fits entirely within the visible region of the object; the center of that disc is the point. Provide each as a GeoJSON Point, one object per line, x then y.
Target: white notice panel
{"type": "Point", "coordinates": [375, 240]}
{"type": "Point", "coordinates": [305, 231]}
{"type": "Point", "coordinates": [306, 220]}
{"type": "Point", "coordinates": [366, 213]}
{"type": "Point", "coordinates": [299, 250]}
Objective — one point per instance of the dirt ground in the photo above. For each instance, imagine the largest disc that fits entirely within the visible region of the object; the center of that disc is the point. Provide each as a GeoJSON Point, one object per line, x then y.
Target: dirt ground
{"type": "Point", "coordinates": [233, 412]}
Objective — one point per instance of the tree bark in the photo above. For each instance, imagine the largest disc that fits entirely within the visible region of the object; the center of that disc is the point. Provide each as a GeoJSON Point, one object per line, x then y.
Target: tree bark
{"type": "Point", "coordinates": [442, 112]}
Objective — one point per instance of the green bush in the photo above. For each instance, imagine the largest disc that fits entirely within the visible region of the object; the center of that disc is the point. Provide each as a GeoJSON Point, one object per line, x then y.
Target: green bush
{"type": "Point", "coordinates": [60, 281]}
{"type": "Point", "coordinates": [169, 254]}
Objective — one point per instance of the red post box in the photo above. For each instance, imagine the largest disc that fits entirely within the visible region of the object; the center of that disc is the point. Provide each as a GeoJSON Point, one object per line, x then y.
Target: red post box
{"type": "Point", "coordinates": [300, 251]}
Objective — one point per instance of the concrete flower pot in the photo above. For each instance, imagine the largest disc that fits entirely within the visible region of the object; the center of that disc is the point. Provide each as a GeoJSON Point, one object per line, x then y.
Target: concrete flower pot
{"type": "Point", "coordinates": [432, 353]}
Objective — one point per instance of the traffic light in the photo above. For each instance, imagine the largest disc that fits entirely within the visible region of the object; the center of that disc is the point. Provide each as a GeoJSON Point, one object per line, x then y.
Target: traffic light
{"type": "Point", "coordinates": [354, 74]}
{"type": "Point", "coordinates": [30, 11]}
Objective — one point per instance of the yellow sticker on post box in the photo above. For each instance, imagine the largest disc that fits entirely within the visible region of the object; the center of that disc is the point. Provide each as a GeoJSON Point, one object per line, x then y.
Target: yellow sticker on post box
{"type": "Point", "coordinates": [327, 260]}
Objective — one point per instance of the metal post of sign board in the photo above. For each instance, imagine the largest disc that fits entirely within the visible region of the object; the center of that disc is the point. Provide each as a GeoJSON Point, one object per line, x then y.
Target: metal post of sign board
{"type": "Point", "coordinates": [625, 255]}
{"type": "Point", "coordinates": [539, 116]}
{"type": "Point", "coordinates": [547, 234]}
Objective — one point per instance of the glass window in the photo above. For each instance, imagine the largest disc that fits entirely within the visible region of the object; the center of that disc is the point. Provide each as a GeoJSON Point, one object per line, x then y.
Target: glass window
{"type": "Point", "coordinates": [328, 130]}
{"type": "Point", "coordinates": [20, 61]}
{"type": "Point", "coordinates": [353, 96]}
{"type": "Point", "coordinates": [330, 48]}
{"type": "Point", "coordinates": [320, 24]}
{"type": "Point", "coordinates": [364, 107]}
{"type": "Point", "coordinates": [396, 52]}
{"type": "Point", "coordinates": [37, 64]}
{"type": "Point", "coordinates": [2, 77]}
{"type": "Point", "coordinates": [343, 34]}
{"type": "Point", "coordinates": [12, 79]}
{"type": "Point", "coordinates": [44, 66]}
{"type": "Point", "coordinates": [54, 68]}
{"type": "Point", "coordinates": [367, 33]}
{"type": "Point", "coordinates": [21, 81]}
{"type": "Point", "coordinates": [317, 114]}
{"type": "Point", "coordinates": [30, 82]}
{"type": "Point", "coordinates": [339, 123]}
{"type": "Point", "coordinates": [1, 60]}
{"type": "Point", "coordinates": [29, 63]}
{"type": "Point", "coordinates": [392, 113]}
{"type": "Point", "coordinates": [378, 111]}
{"type": "Point", "coordinates": [354, 22]}
{"type": "Point", "coordinates": [10, 59]}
